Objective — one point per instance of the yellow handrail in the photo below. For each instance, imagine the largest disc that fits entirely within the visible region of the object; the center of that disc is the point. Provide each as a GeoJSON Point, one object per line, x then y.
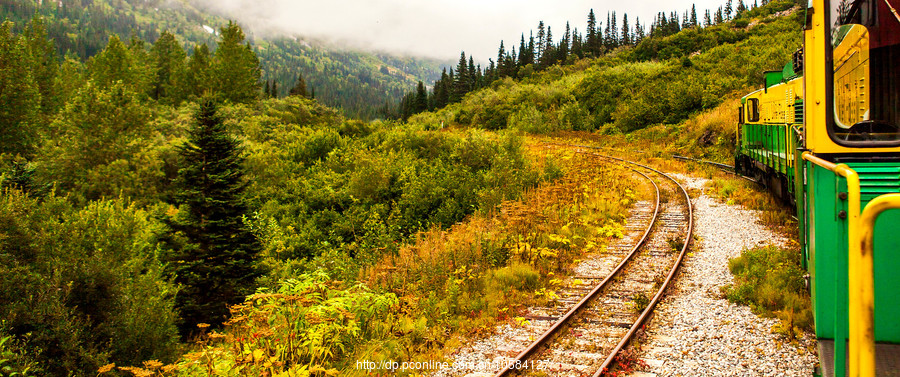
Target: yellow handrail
{"type": "Point", "coordinates": [861, 362]}
{"type": "Point", "coordinates": [867, 276]}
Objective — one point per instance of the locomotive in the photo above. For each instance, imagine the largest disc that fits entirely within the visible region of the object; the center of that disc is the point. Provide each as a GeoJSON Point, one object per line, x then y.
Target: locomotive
{"type": "Point", "coordinates": [824, 135]}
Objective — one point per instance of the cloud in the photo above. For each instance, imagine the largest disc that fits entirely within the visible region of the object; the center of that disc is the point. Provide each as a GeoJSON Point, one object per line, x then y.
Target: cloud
{"type": "Point", "coordinates": [431, 28]}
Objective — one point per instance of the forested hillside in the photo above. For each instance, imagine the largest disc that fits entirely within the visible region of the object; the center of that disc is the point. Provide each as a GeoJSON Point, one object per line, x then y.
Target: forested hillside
{"type": "Point", "coordinates": [359, 83]}
{"type": "Point", "coordinates": [160, 215]}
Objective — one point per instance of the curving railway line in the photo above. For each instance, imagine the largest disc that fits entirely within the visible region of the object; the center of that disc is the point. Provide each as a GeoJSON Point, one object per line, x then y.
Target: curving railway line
{"type": "Point", "coordinates": [599, 315]}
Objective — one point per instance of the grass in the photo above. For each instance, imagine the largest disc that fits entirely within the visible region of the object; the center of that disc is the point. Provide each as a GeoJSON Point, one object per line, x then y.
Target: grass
{"type": "Point", "coordinates": [769, 280]}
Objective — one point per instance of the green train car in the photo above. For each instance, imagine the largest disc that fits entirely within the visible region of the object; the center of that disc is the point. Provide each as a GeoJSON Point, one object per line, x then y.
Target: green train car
{"type": "Point", "coordinates": [824, 135]}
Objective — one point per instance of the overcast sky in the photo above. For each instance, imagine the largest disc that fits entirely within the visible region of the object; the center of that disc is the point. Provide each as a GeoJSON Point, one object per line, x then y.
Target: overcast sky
{"type": "Point", "coordinates": [439, 29]}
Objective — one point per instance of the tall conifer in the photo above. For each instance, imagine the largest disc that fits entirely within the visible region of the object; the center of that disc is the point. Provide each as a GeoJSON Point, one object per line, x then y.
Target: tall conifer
{"type": "Point", "coordinates": [217, 266]}
{"type": "Point", "coordinates": [236, 66]}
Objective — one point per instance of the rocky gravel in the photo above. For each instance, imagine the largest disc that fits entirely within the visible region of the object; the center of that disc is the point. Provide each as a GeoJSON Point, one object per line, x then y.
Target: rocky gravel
{"type": "Point", "coordinates": [696, 332]}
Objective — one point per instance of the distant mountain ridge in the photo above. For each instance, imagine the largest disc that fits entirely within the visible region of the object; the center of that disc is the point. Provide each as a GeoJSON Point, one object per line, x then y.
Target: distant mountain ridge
{"type": "Point", "coordinates": [359, 83]}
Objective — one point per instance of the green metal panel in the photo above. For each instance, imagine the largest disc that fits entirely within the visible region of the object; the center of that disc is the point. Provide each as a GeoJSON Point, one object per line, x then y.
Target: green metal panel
{"type": "Point", "coordinates": [828, 256]}
{"type": "Point", "coordinates": [877, 179]}
{"type": "Point", "coordinates": [826, 248]}
{"type": "Point", "coordinates": [773, 78]}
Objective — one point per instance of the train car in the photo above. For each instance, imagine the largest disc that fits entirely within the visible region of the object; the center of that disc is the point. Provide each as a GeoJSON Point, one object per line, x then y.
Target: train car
{"type": "Point", "coordinates": [840, 163]}
{"type": "Point", "coordinates": [771, 120]}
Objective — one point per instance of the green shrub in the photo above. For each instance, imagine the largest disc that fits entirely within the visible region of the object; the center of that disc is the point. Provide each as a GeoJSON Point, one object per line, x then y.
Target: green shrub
{"type": "Point", "coordinates": [83, 286]}
{"type": "Point", "coordinates": [769, 279]}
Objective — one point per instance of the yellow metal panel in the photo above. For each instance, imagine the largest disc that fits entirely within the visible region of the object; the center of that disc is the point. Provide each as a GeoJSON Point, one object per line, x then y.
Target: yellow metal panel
{"type": "Point", "coordinates": [863, 300]}
{"type": "Point", "coordinates": [815, 128]}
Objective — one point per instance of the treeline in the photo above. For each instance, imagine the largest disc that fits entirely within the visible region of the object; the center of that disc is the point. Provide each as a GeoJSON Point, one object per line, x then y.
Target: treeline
{"type": "Point", "coordinates": [352, 81]}
{"type": "Point", "coordinates": [538, 52]}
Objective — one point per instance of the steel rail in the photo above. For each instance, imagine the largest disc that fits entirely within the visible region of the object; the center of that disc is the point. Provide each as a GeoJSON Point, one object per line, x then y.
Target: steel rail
{"type": "Point", "coordinates": [656, 298]}
{"type": "Point", "coordinates": [548, 335]}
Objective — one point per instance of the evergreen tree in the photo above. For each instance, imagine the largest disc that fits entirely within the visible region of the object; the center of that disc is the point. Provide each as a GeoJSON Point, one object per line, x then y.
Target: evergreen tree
{"type": "Point", "coordinates": [461, 85]}
{"type": "Point", "coordinates": [299, 88]}
{"type": "Point", "coordinates": [523, 55]}
{"type": "Point", "coordinates": [274, 90]}
{"type": "Point", "coordinates": [472, 76]}
{"type": "Point", "coordinates": [217, 266]}
{"type": "Point", "coordinates": [719, 17]}
{"type": "Point", "coordinates": [501, 58]}
{"type": "Point", "coordinates": [530, 55]}
{"type": "Point", "coordinates": [541, 42]}
{"type": "Point", "coordinates": [728, 10]}
{"type": "Point", "coordinates": [44, 62]}
{"type": "Point", "coordinates": [549, 52]}
{"type": "Point", "coordinates": [694, 15]}
{"type": "Point", "coordinates": [117, 63]}
{"type": "Point", "coordinates": [268, 89]}
{"type": "Point", "coordinates": [441, 90]}
{"type": "Point", "coordinates": [707, 19]}
{"type": "Point", "coordinates": [577, 44]}
{"type": "Point", "coordinates": [168, 60]}
{"type": "Point", "coordinates": [236, 67]}
{"type": "Point", "coordinates": [613, 32]}
{"type": "Point", "coordinates": [638, 31]}
{"type": "Point", "coordinates": [19, 97]}
{"type": "Point", "coordinates": [626, 31]}
{"type": "Point", "coordinates": [592, 39]}
{"type": "Point", "coordinates": [564, 47]}
{"type": "Point", "coordinates": [741, 8]}
{"type": "Point", "coordinates": [198, 78]}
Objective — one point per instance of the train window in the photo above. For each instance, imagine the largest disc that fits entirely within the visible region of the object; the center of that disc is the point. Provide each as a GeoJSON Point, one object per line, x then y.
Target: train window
{"type": "Point", "coordinates": [741, 115]}
{"type": "Point", "coordinates": [865, 45]}
{"type": "Point", "coordinates": [753, 110]}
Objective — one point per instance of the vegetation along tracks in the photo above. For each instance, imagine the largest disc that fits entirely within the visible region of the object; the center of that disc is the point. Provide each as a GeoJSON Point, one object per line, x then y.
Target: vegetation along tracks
{"type": "Point", "coordinates": [588, 337]}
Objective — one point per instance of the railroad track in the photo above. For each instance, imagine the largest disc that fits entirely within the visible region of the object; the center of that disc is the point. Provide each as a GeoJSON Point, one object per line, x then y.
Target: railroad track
{"type": "Point", "coordinates": [599, 314]}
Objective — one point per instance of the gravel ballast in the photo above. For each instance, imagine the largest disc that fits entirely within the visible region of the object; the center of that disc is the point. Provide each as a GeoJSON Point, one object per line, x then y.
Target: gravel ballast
{"type": "Point", "coordinates": [695, 332]}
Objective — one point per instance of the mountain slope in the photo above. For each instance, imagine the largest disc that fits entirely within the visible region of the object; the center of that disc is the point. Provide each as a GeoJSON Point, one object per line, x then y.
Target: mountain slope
{"type": "Point", "coordinates": [357, 82]}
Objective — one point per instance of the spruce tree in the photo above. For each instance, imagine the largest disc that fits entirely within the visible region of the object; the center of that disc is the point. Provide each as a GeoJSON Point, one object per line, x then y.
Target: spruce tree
{"type": "Point", "coordinates": [421, 98]}
{"type": "Point", "coordinates": [638, 31]}
{"type": "Point", "coordinates": [460, 85]}
{"type": "Point", "coordinates": [728, 10]}
{"type": "Point", "coordinates": [168, 61]}
{"type": "Point", "coordinates": [565, 45]}
{"type": "Point", "coordinates": [274, 90]}
{"type": "Point", "coordinates": [441, 92]}
{"type": "Point", "coordinates": [20, 99]}
{"type": "Point", "coordinates": [626, 31]}
{"type": "Point", "coordinates": [694, 15]}
{"type": "Point", "coordinates": [217, 265]}
{"type": "Point", "coordinates": [707, 19]}
{"type": "Point", "coordinates": [299, 88]}
{"type": "Point", "coordinates": [472, 76]}
{"type": "Point", "coordinates": [591, 32]}
{"type": "Point", "coordinates": [541, 41]}
{"type": "Point", "coordinates": [236, 67]}
{"type": "Point", "coordinates": [45, 62]}
{"type": "Point", "coordinates": [501, 55]}
{"type": "Point", "coordinates": [199, 77]}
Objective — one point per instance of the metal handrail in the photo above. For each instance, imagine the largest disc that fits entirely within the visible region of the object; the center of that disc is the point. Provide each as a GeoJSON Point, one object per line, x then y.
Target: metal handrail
{"type": "Point", "coordinates": [867, 278]}
{"type": "Point", "coordinates": [860, 277]}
